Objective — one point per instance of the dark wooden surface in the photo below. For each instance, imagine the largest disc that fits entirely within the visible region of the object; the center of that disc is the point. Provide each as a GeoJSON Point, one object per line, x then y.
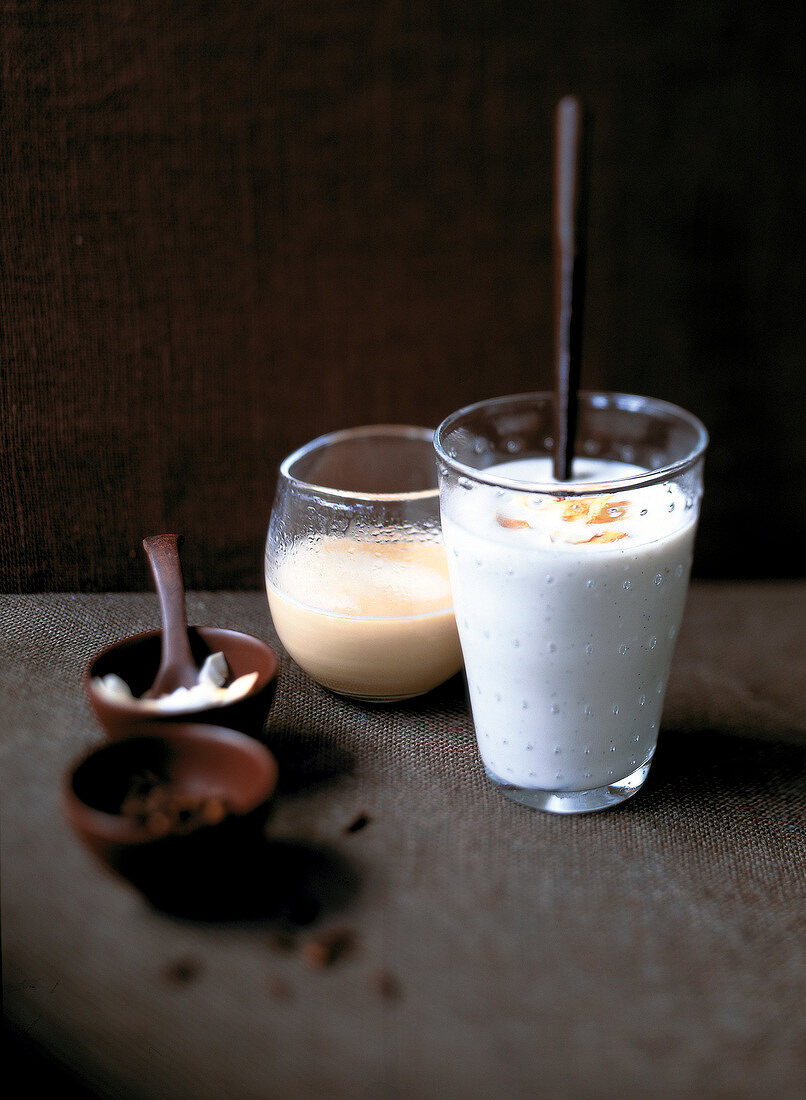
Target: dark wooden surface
{"type": "Point", "coordinates": [227, 229]}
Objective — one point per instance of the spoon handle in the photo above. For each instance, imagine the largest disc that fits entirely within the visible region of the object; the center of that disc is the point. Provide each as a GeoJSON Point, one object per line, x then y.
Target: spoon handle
{"type": "Point", "coordinates": [177, 666]}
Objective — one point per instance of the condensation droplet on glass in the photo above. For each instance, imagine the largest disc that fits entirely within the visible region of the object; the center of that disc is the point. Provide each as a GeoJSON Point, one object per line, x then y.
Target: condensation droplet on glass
{"type": "Point", "coordinates": [549, 578]}
{"type": "Point", "coordinates": [659, 578]}
{"type": "Point", "coordinates": [659, 688]}
{"type": "Point", "coordinates": [588, 649]}
{"type": "Point", "coordinates": [612, 748]}
{"type": "Point", "coordinates": [557, 750]}
{"type": "Point", "coordinates": [653, 641]}
{"type": "Point", "coordinates": [627, 585]}
{"type": "Point", "coordinates": [590, 583]}
{"type": "Point", "coordinates": [529, 748]}
{"type": "Point", "coordinates": [513, 446]}
{"type": "Point", "coordinates": [644, 512]}
{"type": "Point", "coordinates": [671, 507]}
{"type": "Point", "coordinates": [589, 710]}
{"type": "Point", "coordinates": [642, 701]}
{"type": "Point", "coordinates": [465, 483]}
{"type": "Point", "coordinates": [616, 709]}
{"type": "Point", "coordinates": [624, 649]}
{"type": "Point", "coordinates": [587, 775]}
{"type": "Point", "coordinates": [516, 642]}
{"type": "Point", "coordinates": [637, 737]}
{"type": "Point", "coordinates": [525, 706]}
{"type": "Point", "coordinates": [679, 570]}
{"type": "Point", "coordinates": [672, 632]}
{"type": "Point", "coordinates": [551, 647]}
{"type": "Point", "coordinates": [554, 708]}
{"type": "Point", "coordinates": [587, 752]}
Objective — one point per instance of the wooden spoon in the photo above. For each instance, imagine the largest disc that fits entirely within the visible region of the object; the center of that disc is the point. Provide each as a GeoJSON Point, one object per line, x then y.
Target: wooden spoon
{"type": "Point", "coordinates": [177, 665]}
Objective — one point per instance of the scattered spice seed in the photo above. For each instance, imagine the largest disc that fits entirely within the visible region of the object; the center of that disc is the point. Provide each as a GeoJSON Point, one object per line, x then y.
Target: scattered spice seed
{"type": "Point", "coordinates": [358, 823]}
{"type": "Point", "coordinates": [278, 987]}
{"type": "Point", "coordinates": [182, 970]}
{"type": "Point", "coordinates": [323, 950]}
{"type": "Point", "coordinates": [283, 941]}
{"type": "Point", "coordinates": [386, 984]}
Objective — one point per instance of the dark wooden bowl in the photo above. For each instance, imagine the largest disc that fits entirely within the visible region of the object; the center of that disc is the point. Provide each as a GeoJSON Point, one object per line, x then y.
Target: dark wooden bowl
{"type": "Point", "coordinates": [136, 660]}
{"type": "Point", "coordinates": [191, 765]}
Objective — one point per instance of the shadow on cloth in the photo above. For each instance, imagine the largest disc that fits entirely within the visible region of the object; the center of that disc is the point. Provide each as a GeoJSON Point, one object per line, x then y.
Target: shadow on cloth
{"type": "Point", "coordinates": [711, 763]}
{"type": "Point", "coordinates": [243, 874]}
{"type": "Point", "coordinates": [286, 882]}
{"type": "Point", "coordinates": [306, 759]}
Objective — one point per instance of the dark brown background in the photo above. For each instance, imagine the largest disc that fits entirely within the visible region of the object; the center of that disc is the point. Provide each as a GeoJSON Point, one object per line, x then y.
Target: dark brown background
{"type": "Point", "coordinates": [227, 228]}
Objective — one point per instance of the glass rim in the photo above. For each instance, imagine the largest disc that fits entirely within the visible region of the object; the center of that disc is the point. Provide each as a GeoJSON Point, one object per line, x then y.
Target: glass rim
{"type": "Point", "coordinates": [409, 432]}
{"type": "Point", "coordinates": [595, 399]}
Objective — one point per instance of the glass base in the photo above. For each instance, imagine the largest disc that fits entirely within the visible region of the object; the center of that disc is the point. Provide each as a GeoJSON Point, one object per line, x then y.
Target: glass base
{"type": "Point", "coordinates": [576, 802]}
{"type": "Point", "coordinates": [379, 699]}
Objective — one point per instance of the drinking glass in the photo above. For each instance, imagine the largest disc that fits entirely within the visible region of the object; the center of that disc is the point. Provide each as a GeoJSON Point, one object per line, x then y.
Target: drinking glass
{"type": "Point", "coordinates": [356, 574]}
{"type": "Point", "coordinates": [569, 595]}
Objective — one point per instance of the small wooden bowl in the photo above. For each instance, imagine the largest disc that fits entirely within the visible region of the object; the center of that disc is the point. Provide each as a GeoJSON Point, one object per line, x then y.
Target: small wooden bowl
{"type": "Point", "coordinates": [136, 660]}
{"type": "Point", "coordinates": [193, 768]}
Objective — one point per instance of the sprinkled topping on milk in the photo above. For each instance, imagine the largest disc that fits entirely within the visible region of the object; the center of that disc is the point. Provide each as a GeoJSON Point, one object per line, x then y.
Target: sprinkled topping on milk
{"type": "Point", "coordinates": [599, 520]}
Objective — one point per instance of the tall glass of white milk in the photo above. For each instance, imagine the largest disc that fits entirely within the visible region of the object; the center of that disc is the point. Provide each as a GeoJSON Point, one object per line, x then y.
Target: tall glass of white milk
{"type": "Point", "coordinates": [356, 572]}
{"type": "Point", "coordinates": [569, 595]}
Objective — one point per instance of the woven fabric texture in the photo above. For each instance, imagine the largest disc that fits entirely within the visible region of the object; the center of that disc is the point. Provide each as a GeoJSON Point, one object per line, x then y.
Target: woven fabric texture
{"type": "Point", "coordinates": [657, 949]}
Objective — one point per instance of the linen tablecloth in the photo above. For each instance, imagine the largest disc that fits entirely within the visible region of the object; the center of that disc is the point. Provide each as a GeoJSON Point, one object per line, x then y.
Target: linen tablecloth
{"type": "Point", "coordinates": [486, 949]}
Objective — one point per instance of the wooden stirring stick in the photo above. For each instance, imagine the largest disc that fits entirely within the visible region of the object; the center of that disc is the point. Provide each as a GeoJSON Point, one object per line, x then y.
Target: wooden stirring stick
{"type": "Point", "coordinates": [569, 209]}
